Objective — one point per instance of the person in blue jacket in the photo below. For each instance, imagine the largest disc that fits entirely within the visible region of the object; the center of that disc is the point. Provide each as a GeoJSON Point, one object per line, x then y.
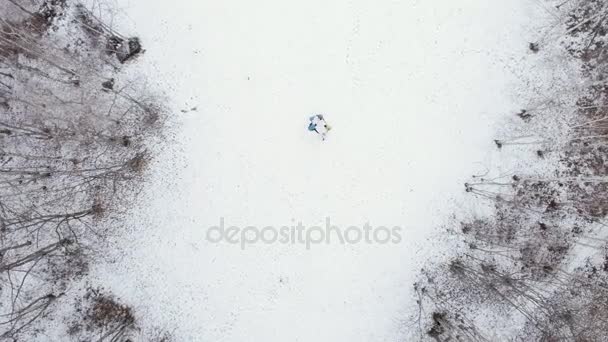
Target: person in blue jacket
{"type": "Point", "coordinates": [318, 124]}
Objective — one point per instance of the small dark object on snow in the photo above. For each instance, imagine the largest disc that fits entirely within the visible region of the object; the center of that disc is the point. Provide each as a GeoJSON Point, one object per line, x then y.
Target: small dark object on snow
{"type": "Point", "coordinates": [108, 85]}
{"type": "Point", "coordinates": [193, 109]}
{"type": "Point", "coordinates": [126, 141]}
{"type": "Point", "coordinates": [75, 81]}
{"type": "Point", "coordinates": [553, 205]}
{"type": "Point", "coordinates": [540, 153]}
{"type": "Point", "coordinates": [534, 47]}
{"type": "Point", "coordinates": [124, 49]}
{"type": "Point", "coordinates": [113, 44]}
{"type": "Point", "coordinates": [498, 143]}
{"type": "Point", "coordinates": [524, 115]}
{"type": "Point", "coordinates": [439, 320]}
{"type": "Point", "coordinates": [134, 48]}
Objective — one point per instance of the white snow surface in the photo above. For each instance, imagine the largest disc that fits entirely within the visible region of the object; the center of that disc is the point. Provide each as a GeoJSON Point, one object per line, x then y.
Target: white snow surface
{"type": "Point", "coordinates": [414, 91]}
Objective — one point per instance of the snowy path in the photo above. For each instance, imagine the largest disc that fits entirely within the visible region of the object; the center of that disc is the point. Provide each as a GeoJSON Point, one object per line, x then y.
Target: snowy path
{"type": "Point", "coordinates": [413, 90]}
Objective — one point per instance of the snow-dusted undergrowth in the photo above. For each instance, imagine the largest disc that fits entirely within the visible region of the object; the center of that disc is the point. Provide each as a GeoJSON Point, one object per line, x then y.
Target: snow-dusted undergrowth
{"type": "Point", "coordinates": [75, 134]}
{"type": "Point", "coordinates": [535, 269]}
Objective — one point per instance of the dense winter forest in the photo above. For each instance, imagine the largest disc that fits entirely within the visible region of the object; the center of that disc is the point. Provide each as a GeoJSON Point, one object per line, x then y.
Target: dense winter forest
{"type": "Point", "coordinates": [79, 134]}
{"type": "Point", "coordinates": [536, 268]}
{"type": "Point", "coordinates": [74, 142]}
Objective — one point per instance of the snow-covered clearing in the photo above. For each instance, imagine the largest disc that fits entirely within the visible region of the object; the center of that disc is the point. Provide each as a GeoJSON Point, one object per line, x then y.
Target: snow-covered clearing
{"type": "Point", "coordinates": [414, 91]}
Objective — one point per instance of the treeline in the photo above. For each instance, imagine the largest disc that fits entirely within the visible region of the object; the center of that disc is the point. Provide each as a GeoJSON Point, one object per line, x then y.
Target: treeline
{"type": "Point", "coordinates": [75, 140]}
{"type": "Point", "coordinates": [536, 269]}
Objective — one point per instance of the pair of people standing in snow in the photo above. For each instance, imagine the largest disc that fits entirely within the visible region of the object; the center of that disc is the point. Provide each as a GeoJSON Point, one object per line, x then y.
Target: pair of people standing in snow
{"type": "Point", "coordinates": [319, 125]}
